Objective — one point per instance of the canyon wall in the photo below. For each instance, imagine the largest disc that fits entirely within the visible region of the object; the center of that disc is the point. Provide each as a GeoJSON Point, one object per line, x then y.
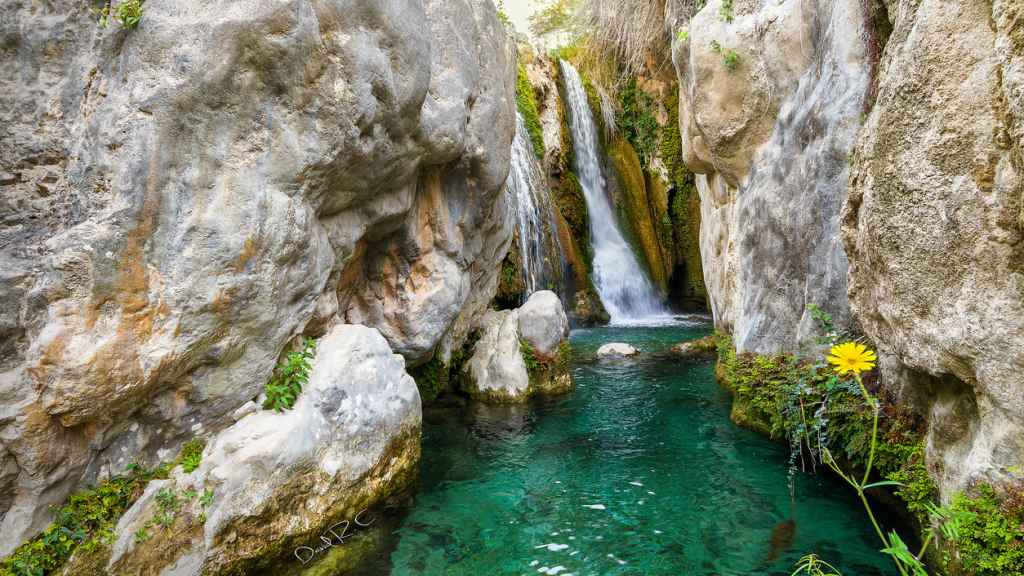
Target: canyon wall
{"type": "Point", "coordinates": [866, 158]}
{"type": "Point", "coordinates": [182, 200]}
{"type": "Point", "coordinates": [769, 110]}
{"type": "Point", "coordinates": [934, 227]}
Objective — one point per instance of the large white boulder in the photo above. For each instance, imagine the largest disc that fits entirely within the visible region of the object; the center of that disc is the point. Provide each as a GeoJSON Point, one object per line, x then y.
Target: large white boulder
{"type": "Point", "coordinates": [280, 480]}
{"type": "Point", "coordinates": [520, 352]}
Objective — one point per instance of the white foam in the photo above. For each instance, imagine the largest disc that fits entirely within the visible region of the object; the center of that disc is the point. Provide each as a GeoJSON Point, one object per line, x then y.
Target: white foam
{"type": "Point", "coordinates": [553, 547]}
{"type": "Point", "coordinates": [594, 506]}
{"type": "Point", "coordinates": [635, 483]}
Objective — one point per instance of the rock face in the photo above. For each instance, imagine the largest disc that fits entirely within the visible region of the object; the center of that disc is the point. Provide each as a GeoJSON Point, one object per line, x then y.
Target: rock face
{"type": "Point", "coordinates": [182, 199]}
{"type": "Point", "coordinates": [935, 230]}
{"type": "Point", "coordinates": [769, 110]}
{"type": "Point", "coordinates": [616, 350]}
{"type": "Point", "coordinates": [279, 481]}
{"type": "Point", "coordinates": [521, 352]}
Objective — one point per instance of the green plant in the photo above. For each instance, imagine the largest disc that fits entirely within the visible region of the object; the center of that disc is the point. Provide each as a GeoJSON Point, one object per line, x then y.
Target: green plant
{"type": "Point", "coordinates": [207, 498]}
{"type": "Point", "coordinates": [431, 378]}
{"type": "Point", "coordinates": [284, 388]}
{"type": "Point", "coordinates": [141, 535]}
{"type": "Point", "coordinates": [85, 522]}
{"type": "Point", "coordinates": [683, 35]}
{"type": "Point", "coordinates": [989, 531]}
{"type": "Point", "coordinates": [191, 454]}
{"type": "Point", "coordinates": [725, 11]}
{"type": "Point", "coordinates": [636, 122]}
{"type": "Point", "coordinates": [128, 13]}
{"type": "Point", "coordinates": [533, 365]}
{"type": "Point", "coordinates": [526, 103]}
{"type": "Point", "coordinates": [731, 60]}
{"type": "Point", "coordinates": [814, 566]}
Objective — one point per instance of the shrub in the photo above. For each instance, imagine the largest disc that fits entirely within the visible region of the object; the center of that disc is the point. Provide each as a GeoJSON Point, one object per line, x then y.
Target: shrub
{"type": "Point", "coordinates": [636, 122]}
{"type": "Point", "coordinates": [284, 388]}
{"type": "Point", "coordinates": [731, 60]}
{"type": "Point", "coordinates": [990, 536]}
{"type": "Point", "coordinates": [725, 11]}
{"type": "Point", "coordinates": [128, 13]}
{"type": "Point", "coordinates": [191, 454]}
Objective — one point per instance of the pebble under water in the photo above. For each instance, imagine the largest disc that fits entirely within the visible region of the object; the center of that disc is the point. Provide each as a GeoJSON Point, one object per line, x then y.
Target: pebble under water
{"type": "Point", "coordinates": [637, 472]}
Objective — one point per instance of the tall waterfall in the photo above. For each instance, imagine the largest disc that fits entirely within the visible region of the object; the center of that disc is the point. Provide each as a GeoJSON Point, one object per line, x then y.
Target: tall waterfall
{"type": "Point", "coordinates": [624, 288]}
{"type": "Point", "coordinates": [528, 189]}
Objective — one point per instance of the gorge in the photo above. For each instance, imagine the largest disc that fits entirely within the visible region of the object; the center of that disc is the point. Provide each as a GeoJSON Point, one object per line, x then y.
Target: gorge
{"type": "Point", "coordinates": [318, 287]}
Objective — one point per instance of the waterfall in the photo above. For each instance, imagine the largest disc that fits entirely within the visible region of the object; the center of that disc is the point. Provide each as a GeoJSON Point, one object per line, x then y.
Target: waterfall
{"type": "Point", "coordinates": [622, 284]}
{"type": "Point", "coordinates": [528, 189]}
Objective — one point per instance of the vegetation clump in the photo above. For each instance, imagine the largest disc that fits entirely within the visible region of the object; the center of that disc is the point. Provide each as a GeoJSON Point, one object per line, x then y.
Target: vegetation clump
{"type": "Point", "coordinates": [85, 523]}
{"type": "Point", "coordinates": [191, 455]}
{"type": "Point", "coordinates": [526, 102]}
{"type": "Point", "coordinates": [290, 376]}
{"type": "Point", "coordinates": [636, 122]}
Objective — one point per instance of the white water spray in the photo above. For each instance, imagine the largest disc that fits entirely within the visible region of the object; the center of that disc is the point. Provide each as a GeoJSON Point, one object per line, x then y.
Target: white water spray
{"type": "Point", "coordinates": [526, 183]}
{"type": "Point", "coordinates": [624, 288]}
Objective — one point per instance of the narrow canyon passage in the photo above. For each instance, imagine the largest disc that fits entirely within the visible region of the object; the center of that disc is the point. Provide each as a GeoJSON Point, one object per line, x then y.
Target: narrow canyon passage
{"type": "Point", "coordinates": [638, 472]}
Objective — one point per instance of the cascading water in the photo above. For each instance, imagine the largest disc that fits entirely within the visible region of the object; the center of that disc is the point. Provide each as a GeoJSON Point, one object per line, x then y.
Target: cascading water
{"type": "Point", "coordinates": [527, 185]}
{"type": "Point", "coordinates": [624, 288]}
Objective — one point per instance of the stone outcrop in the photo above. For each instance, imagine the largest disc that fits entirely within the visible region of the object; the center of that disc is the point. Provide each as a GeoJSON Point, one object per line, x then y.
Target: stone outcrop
{"type": "Point", "coordinates": [182, 199]}
{"type": "Point", "coordinates": [769, 110]}
{"type": "Point", "coordinates": [520, 352]}
{"type": "Point", "coordinates": [276, 482]}
{"type": "Point", "coordinates": [935, 231]}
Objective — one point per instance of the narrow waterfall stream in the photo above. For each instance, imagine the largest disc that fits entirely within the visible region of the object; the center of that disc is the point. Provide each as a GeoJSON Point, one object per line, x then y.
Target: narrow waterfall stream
{"type": "Point", "coordinates": [526, 184]}
{"type": "Point", "coordinates": [623, 285]}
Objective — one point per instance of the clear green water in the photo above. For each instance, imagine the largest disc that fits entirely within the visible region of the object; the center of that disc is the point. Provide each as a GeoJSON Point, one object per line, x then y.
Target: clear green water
{"type": "Point", "coordinates": [506, 490]}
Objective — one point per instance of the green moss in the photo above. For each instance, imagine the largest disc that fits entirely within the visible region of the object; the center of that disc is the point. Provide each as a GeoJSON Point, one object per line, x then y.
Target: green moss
{"type": "Point", "coordinates": [637, 209]}
{"type": "Point", "coordinates": [526, 102]}
{"type": "Point", "coordinates": [636, 122]}
{"type": "Point", "coordinates": [533, 365]}
{"type": "Point", "coordinates": [573, 206]}
{"type": "Point", "coordinates": [990, 532]}
{"type": "Point", "coordinates": [787, 398]}
{"type": "Point", "coordinates": [431, 378]}
{"type": "Point", "coordinates": [511, 284]}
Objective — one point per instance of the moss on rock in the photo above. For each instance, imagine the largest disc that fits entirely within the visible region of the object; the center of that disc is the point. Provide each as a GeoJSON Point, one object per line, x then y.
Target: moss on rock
{"type": "Point", "coordinates": [637, 206]}
{"type": "Point", "coordinates": [526, 102]}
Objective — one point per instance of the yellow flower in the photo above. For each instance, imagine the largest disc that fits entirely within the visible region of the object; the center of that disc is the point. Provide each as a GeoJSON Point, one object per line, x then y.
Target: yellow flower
{"type": "Point", "coordinates": [852, 357]}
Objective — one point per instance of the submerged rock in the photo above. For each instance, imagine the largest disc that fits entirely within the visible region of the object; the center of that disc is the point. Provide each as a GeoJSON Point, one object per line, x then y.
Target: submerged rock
{"type": "Point", "coordinates": [616, 350]}
{"type": "Point", "coordinates": [521, 352]}
{"type": "Point", "coordinates": [278, 481]}
{"type": "Point", "coordinates": [703, 348]}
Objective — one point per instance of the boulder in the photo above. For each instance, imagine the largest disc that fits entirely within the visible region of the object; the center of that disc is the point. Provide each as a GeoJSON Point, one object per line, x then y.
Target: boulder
{"type": "Point", "coordinates": [616, 350]}
{"type": "Point", "coordinates": [279, 481]}
{"type": "Point", "coordinates": [497, 371]}
{"type": "Point", "coordinates": [543, 323]}
{"type": "Point", "coordinates": [520, 353]}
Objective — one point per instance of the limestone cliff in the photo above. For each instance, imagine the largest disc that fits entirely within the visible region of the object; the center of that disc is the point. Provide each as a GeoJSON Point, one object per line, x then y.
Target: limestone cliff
{"type": "Point", "coordinates": [184, 198]}
{"type": "Point", "coordinates": [934, 227]}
